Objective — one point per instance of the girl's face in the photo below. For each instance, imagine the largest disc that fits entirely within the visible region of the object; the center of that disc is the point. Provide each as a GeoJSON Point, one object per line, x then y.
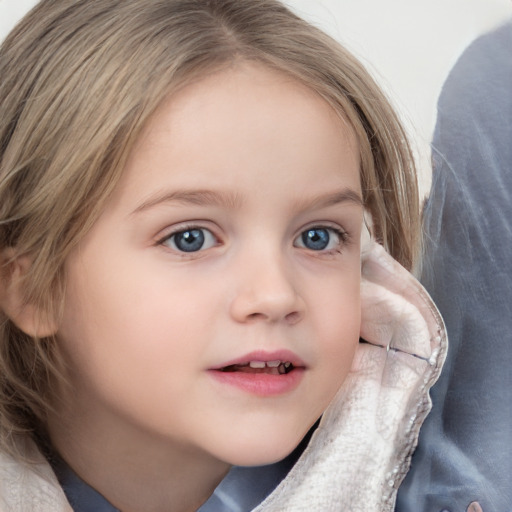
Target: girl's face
{"type": "Point", "coordinates": [214, 306]}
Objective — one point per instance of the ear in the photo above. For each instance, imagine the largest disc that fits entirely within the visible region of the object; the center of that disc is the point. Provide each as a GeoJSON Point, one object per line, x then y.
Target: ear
{"type": "Point", "coordinates": [26, 316]}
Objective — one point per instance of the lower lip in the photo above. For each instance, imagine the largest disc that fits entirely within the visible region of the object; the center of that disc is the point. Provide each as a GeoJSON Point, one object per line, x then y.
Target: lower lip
{"type": "Point", "coordinates": [261, 384]}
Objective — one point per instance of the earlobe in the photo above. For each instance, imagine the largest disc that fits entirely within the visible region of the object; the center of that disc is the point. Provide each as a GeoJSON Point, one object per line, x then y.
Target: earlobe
{"type": "Point", "coordinates": [26, 316]}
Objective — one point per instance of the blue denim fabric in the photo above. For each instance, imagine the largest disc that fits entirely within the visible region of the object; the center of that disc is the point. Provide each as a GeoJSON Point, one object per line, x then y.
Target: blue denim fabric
{"type": "Point", "coordinates": [465, 447]}
{"type": "Point", "coordinates": [81, 497]}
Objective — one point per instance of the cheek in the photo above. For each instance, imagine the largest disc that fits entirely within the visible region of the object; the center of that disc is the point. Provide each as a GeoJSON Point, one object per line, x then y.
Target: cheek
{"type": "Point", "coordinates": [128, 351]}
{"type": "Point", "coordinates": [339, 326]}
{"type": "Point", "coordinates": [114, 322]}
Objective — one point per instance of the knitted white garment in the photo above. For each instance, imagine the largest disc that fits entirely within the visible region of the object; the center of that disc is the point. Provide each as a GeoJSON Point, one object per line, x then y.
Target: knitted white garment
{"type": "Point", "coordinates": [361, 450]}
{"type": "Point", "coordinates": [30, 486]}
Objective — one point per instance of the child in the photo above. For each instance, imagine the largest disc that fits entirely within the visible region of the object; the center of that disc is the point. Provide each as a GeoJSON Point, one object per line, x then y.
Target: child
{"type": "Point", "coordinates": [183, 190]}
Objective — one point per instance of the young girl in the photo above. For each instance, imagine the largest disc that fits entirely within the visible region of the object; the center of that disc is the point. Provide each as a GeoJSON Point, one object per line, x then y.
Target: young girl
{"type": "Point", "coordinates": [187, 282]}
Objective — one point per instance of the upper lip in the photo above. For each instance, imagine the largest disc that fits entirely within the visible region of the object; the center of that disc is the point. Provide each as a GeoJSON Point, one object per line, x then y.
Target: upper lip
{"type": "Point", "coordinates": [283, 356]}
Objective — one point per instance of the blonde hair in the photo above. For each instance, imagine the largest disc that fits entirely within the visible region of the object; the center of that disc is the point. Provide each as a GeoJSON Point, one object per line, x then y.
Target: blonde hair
{"type": "Point", "coordinates": [80, 78]}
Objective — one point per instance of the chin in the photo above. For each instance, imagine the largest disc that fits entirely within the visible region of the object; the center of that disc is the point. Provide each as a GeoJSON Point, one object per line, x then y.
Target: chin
{"type": "Point", "coordinates": [261, 451]}
{"type": "Point", "coordinates": [258, 459]}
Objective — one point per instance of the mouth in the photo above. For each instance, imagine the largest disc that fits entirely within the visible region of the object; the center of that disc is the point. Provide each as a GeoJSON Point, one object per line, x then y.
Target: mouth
{"type": "Point", "coordinates": [276, 367]}
{"type": "Point", "coordinates": [262, 373]}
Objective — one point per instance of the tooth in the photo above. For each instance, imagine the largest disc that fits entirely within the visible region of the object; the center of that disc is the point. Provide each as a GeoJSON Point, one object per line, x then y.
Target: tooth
{"type": "Point", "coordinates": [287, 365]}
{"type": "Point", "coordinates": [257, 364]}
{"type": "Point", "coordinates": [273, 364]}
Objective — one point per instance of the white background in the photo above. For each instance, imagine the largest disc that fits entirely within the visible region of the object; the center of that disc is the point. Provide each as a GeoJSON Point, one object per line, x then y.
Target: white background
{"type": "Point", "coordinates": [409, 45]}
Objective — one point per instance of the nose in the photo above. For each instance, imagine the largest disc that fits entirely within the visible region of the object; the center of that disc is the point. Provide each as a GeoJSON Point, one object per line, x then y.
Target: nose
{"type": "Point", "coordinates": [266, 291]}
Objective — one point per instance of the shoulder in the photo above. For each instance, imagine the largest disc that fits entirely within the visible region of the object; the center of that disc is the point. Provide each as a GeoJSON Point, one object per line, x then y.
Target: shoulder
{"type": "Point", "coordinates": [473, 126]}
{"type": "Point", "coordinates": [482, 76]}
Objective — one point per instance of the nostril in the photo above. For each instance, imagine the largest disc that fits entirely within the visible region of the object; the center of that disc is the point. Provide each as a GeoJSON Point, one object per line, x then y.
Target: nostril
{"type": "Point", "coordinates": [290, 318]}
{"type": "Point", "coordinates": [256, 316]}
{"type": "Point", "coordinates": [293, 317]}
{"type": "Point", "coordinates": [261, 304]}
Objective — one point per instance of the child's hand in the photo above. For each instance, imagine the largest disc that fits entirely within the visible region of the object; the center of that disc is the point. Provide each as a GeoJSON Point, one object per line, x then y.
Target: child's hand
{"type": "Point", "coordinates": [474, 507]}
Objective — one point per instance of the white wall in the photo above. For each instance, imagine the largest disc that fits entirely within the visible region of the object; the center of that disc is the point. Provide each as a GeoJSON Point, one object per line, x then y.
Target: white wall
{"type": "Point", "coordinates": [409, 45]}
{"type": "Point", "coordinates": [11, 11]}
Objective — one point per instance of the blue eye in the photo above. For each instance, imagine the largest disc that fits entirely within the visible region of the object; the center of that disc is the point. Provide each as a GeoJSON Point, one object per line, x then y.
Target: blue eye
{"type": "Point", "coordinates": [319, 239]}
{"type": "Point", "coordinates": [191, 240]}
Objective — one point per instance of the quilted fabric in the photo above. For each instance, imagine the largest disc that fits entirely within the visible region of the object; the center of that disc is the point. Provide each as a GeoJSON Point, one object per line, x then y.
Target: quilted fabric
{"type": "Point", "coordinates": [361, 450]}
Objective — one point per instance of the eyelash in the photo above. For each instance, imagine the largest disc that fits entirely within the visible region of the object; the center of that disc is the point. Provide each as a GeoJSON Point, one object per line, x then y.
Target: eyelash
{"type": "Point", "coordinates": [342, 236]}
{"type": "Point", "coordinates": [167, 239]}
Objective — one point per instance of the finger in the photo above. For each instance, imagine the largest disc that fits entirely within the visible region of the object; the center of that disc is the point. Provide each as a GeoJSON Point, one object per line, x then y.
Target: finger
{"type": "Point", "coordinates": [474, 507]}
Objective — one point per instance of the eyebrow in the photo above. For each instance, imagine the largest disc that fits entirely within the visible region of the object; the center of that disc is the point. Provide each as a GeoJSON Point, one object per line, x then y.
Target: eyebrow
{"type": "Point", "coordinates": [346, 195]}
{"type": "Point", "coordinates": [234, 201]}
{"type": "Point", "coordinates": [192, 197]}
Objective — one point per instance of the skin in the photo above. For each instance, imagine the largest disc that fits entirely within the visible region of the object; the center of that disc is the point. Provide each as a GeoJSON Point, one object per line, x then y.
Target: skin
{"type": "Point", "coordinates": [253, 159]}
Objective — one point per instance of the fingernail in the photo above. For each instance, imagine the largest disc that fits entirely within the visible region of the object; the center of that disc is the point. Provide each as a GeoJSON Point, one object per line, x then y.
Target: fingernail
{"type": "Point", "coordinates": [474, 507]}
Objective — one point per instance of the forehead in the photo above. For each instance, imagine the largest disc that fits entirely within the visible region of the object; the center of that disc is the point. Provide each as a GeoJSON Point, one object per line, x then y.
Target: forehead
{"type": "Point", "coordinates": [244, 118]}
